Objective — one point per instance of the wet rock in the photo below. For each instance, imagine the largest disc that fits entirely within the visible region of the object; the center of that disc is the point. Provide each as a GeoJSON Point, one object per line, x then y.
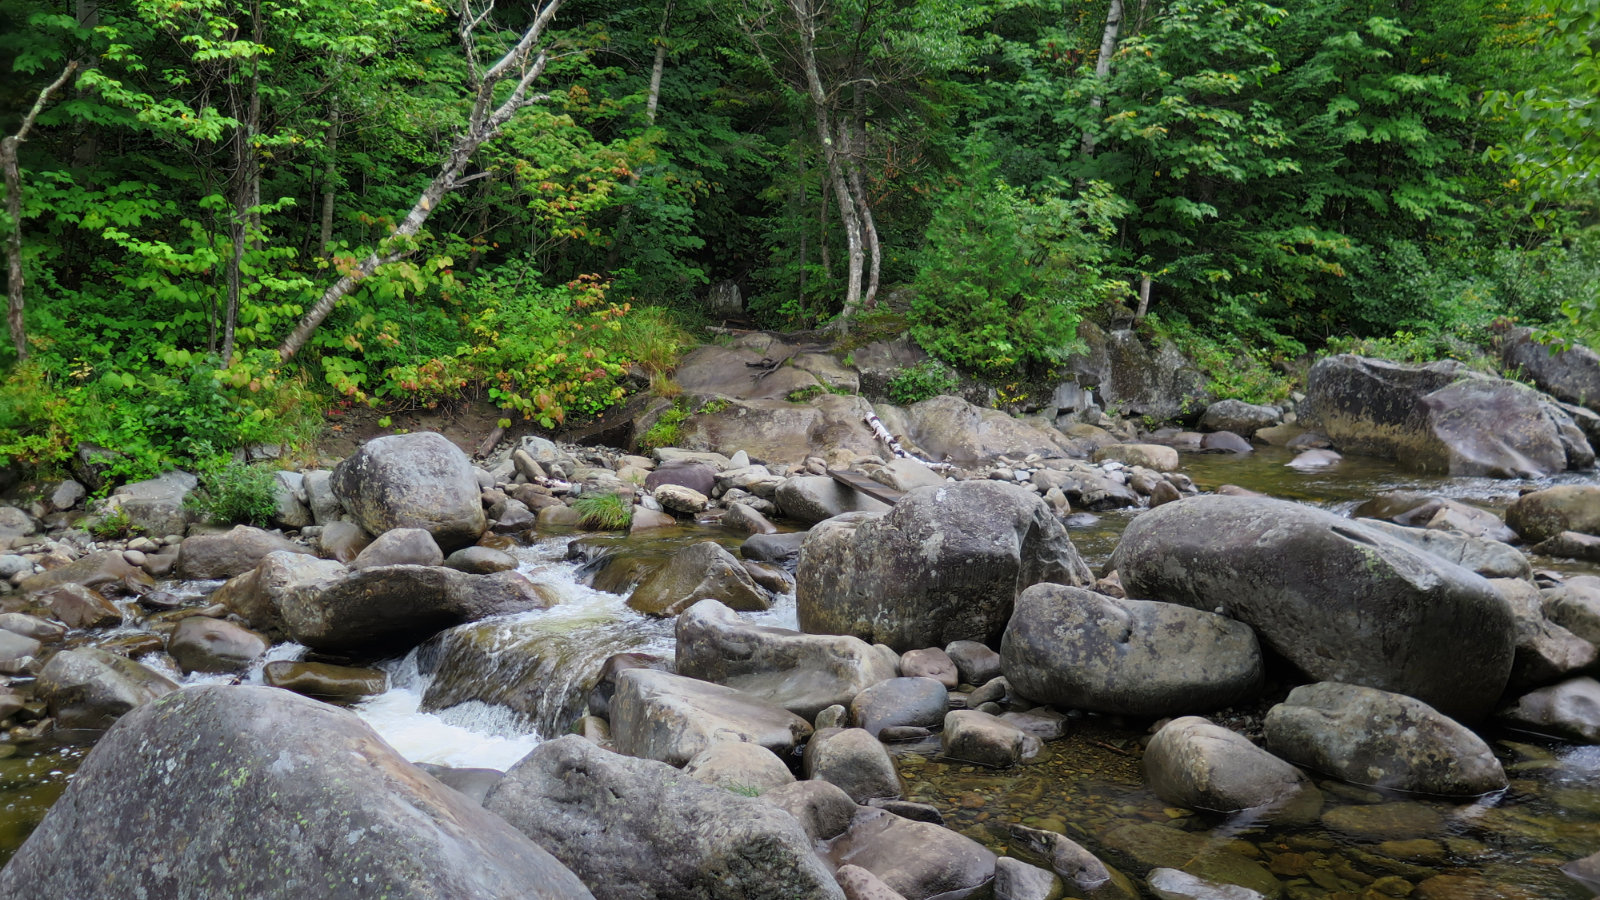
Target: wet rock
{"type": "Point", "coordinates": [201, 644]}
{"type": "Point", "coordinates": [745, 769]}
{"type": "Point", "coordinates": [802, 673]}
{"type": "Point", "coordinates": [1441, 417]}
{"type": "Point", "coordinates": [930, 663]}
{"type": "Point", "coordinates": [14, 647]}
{"type": "Point", "coordinates": [668, 837]}
{"type": "Point", "coordinates": [782, 549]}
{"type": "Point", "coordinates": [1570, 545]}
{"type": "Point", "coordinates": [342, 541]}
{"type": "Point", "coordinates": [656, 715]}
{"type": "Point", "coordinates": [945, 564]}
{"type": "Point", "coordinates": [1043, 723]}
{"type": "Point", "coordinates": [1238, 417]}
{"type": "Point", "coordinates": [1341, 601]}
{"type": "Point", "coordinates": [330, 811]}
{"type": "Point", "coordinates": [231, 553]}
{"type": "Point", "coordinates": [1225, 442]}
{"type": "Point", "coordinates": [1542, 515]}
{"type": "Point", "coordinates": [1083, 872]}
{"type": "Point", "coordinates": [859, 884]}
{"type": "Point", "coordinates": [155, 506]}
{"type": "Point", "coordinates": [480, 560]}
{"type": "Point", "coordinates": [824, 809]}
{"type": "Point", "coordinates": [1158, 846]}
{"type": "Point", "coordinates": [1585, 871]}
{"type": "Point", "coordinates": [91, 688]}
{"type": "Point", "coordinates": [917, 859]}
{"type": "Point", "coordinates": [474, 784]}
{"type": "Point", "coordinates": [258, 594]}
{"type": "Point", "coordinates": [400, 605]}
{"type": "Point", "coordinates": [976, 663]}
{"type": "Point", "coordinates": [1017, 880]}
{"type": "Point", "coordinates": [1569, 710]}
{"type": "Point", "coordinates": [96, 570]}
{"type": "Point", "coordinates": [1085, 486]}
{"type": "Point", "coordinates": [1174, 884]}
{"type": "Point", "coordinates": [80, 607]}
{"type": "Point", "coordinates": [646, 519]}
{"type": "Point", "coordinates": [416, 480]}
{"type": "Point", "coordinates": [323, 680]}
{"type": "Point", "coordinates": [1367, 736]}
{"type": "Point", "coordinates": [698, 572]}
{"type": "Point", "coordinates": [855, 761]}
{"type": "Point", "coordinates": [696, 476]}
{"type": "Point", "coordinates": [918, 702]}
{"type": "Point", "coordinates": [1315, 459]}
{"type": "Point", "coordinates": [1199, 765]}
{"type": "Point", "coordinates": [32, 627]}
{"type": "Point", "coordinates": [1546, 652]}
{"type": "Point", "coordinates": [400, 547]}
{"type": "Point", "coordinates": [1076, 648]}
{"type": "Point", "coordinates": [1150, 456]}
{"type": "Point", "coordinates": [904, 475]}
{"type": "Point", "coordinates": [949, 429]}
{"type": "Point", "coordinates": [1491, 559]}
{"type": "Point", "coordinates": [1384, 821]}
{"type": "Point", "coordinates": [810, 499]}
{"type": "Point", "coordinates": [978, 737]}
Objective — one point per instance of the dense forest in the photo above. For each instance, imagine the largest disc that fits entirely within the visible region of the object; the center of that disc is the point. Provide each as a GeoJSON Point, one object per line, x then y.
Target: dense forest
{"type": "Point", "coordinates": [222, 215]}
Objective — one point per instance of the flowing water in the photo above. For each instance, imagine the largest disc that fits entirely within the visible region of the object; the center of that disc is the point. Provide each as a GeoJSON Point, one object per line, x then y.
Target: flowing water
{"type": "Point", "coordinates": [487, 693]}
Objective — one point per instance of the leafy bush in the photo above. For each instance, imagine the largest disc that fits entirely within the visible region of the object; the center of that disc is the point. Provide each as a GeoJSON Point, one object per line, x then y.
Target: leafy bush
{"type": "Point", "coordinates": [1234, 368]}
{"type": "Point", "coordinates": [606, 512]}
{"type": "Point", "coordinates": [913, 384]}
{"type": "Point", "coordinates": [236, 493]}
{"type": "Point", "coordinates": [664, 431]}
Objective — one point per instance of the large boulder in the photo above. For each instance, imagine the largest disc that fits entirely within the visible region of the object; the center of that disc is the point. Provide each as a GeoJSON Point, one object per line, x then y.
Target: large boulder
{"type": "Point", "coordinates": [400, 547]}
{"type": "Point", "coordinates": [1339, 600]}
{"type": "Point", "coordinates": [945, 564]}
{"type": "Point", "coordinates": [698, 572]}
{"type": "Point", "coordinates": [1491, 559]}
{"type": "Point", "coordinates": [258, 594]}
{"type": "Point", "coordinates": [949, 429]}
{"type": "Point", "coordinates": [1238, 417]}
{"type": "Point", "coordinates": [803, 673]}
{"type": "Point", "coordinates": [666, 717]}
{"type": "Point", "coordinates": [264, 794]}
{"type": "Point", "coordinates": [1075, 648]}
{"type": "Point", "coordinates": [1570, 373]}
{"type": "Point", "coordinates": [91, 688]}
{"type": "Point", "coordinates": [386, 606]}
{"type": "Point", "coordinates": [1196, 764]}
{"type": "Point", "coordinates": [1157, 380]}
{"type": "Point", "coordinates": [1541, 515]}
{"type": "Point", "coordinates": [1374, 737]}
{"type": "Point", "coordinates": [230, 553]}
{"type": "Point", "coordinates": [155, 506]}
{"type": "Point", "coordinates": [640, 829]}
{"type": "Point", "coordinates": [853, 759]}
{"type": "Point", "coordinates": [920, 860]}
{"type": "Point", "coordinates": [776, 431]}
{"type": "Point", "coordinates": [416, 480]}
{"type": "Point", "coordinates": [1441, 417]}
{"type": "Point", "coordinates": [810, 499]}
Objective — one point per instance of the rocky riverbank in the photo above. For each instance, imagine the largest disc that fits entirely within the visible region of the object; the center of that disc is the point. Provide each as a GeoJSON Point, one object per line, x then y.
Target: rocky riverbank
{"type": "Point", "coordinates": [946, 619]}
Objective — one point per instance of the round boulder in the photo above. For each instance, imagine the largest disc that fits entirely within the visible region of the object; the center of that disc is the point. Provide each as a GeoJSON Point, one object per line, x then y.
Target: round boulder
{"type": "Point", "coordinates": [201, 644]}
{"type": "Point", "coordinates": [1544, 514]}
{"type": "Point", "coordinates": [400, 547]}
{"type": "Point", "coordinates": [416, 480]}
{"type": "Point", "coordinates": [1195, 764]}
{"type": "Point", "coordinates": [1238, 417]}
{"type": "Point", "coordinates": [917, 702]}
{"type": "Point", "coordinates": [855, 761]}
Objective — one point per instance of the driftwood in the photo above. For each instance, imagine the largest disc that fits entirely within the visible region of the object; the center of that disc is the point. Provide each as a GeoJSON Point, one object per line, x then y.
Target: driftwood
{"type": "Point", "coordinates": [882, 434]}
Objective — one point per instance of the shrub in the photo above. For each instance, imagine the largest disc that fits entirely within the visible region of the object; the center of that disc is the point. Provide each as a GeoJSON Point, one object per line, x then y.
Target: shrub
{"type": "Point", "coordinates": [606, 512]}
{"type": "Point", "coordinates": [664, 431]}
{"type": "Point", "coordinates": [913, 384]}
{"type": "Point", "coordinates": [236, 493]}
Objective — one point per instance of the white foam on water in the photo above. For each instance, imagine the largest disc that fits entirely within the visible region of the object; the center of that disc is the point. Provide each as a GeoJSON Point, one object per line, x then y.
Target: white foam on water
{"type": "Point", "coordinates": [428, 738]}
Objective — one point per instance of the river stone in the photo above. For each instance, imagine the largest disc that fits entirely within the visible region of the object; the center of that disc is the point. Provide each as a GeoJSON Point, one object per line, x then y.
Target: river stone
{"type": "Point", "coordinates": [918, 859]}
{"type": "Point", "coordinates": [1491, 559]}
{"type": "Point", "coordinates": [1199, 765]}
{"type": "Point", "coordinates": [639, 829]}
{"type": "Point", "coordinates": [824, 809]}
{"type": "Point", "coordinates": [1017, 880]}
{"type": "Point", "coordinates": [80, 607]}
{"type": "Point", "coordinates": [201, 644]}
{"type": "Point", "coordinates": [1085, 486]}
{"type": "Point", "coordinates": [330, 811]}
{"type": "Point", "coordinates": [1151, 456]}
{"type": "Point", "coordinates": [1084, 873]}
{"type": "Point", "coordinates": [400, 547]}
{"type": "Point", "coordinates": [1075, 648]}
{"type": "Point", "coordinates": [1366, 736]}
{"type": "Point", "coordinates": [1441, 417]}
{"type": "Point", "coordinates": [1240, 418]}
{"type": "Point", "coordinates": [698, 572]}
{"type": "Point", "coordinates": [32, 627]}
{"type": "Point", "coordinates": [696, 476]}
{"type": "Point", "coordinates": [1570, 545]}
{"type": "Point", "coordinates": [1175, 884]}
{"type": "Point", "coordinates": [803, 673]}
{"type": "Point", "coordinates": [324, 680]}
{"type": "Point", "coordinates": [14, 523]}
{"type": "Point", "coordinates": [916, 702]}
{"type": "Point", "coordinates": [289, 495]}
{"type": "Point", "coordinates": [1546, 652]}
{"type": "Point", "coordinates": [324, 504]}
{"type": "Point", "coordinates": [903, 475]}
{"type": "Point", "coordinates": [95, 570]}
{"type": "Point", "coordinates": [1544, 514]}
{"type": "Point", "coordinates": [1225, 442]}
{"type": "Point", "coordinates": [681, 500]}
{"type": "Point", "coordinates": [930, 662]}
{"type": "Point", "coordinates": [745, 769]}
{"type": "Point", "coordinates": [976, 663]}
{"type": "Point", "coordinates": [1575, 606]}
{"type": "Point", "coordinates": [91, 688]}
{"type": "Point", "coordinates": [15, 647]}
{"type": "Point", "coordinates": [1339, 600]}
{"type": "Point", "coordinates": [416, 480]}
{"type": "Point", "coordinates": [1158, 846]}
{"type": "Point", "coordinates": [481, 560]}
{"type": "Point", "coordinates": [853, 759]}
{"type": "Point", "coordinates": [949, 429]}
{"type": "Point", "coordinates": [782, 549]}
{"type": "Point", "coordinates": [1570, 372]}
{"type": "Point", "coordinates": [67, 495]}
{"type": "Point", "coordinates": [1398, 821]}
{"type": "Point", "coordinates": [258, 594]}
{"type": "Point", "coordinates": [1569, 710]}
{"type": "Point", "coordinates": [156, 506]}
{"type": "Point", "coordinates": [657, 715]}
{"type": "Point", "coordinates": [231, 553]}
{"type": "Point", "coordinates": [400, 605]}
{"type": "Point", "coordinates": [1315, 459]}
{"type": "Point", "coordinates": [810, 499]}
{"type": "Point", "coordinates": [945, 564]}
{"type": "Point", "coordinates": [859, 884]}
{"type": "Point", "coordinates": [342, 541]}
{"type": "Point", "coordinates": [978, 737]}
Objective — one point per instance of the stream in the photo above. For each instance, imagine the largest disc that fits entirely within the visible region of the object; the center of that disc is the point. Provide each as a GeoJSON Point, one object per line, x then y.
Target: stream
{"type": "Point", "coordinates": [1088, 786]}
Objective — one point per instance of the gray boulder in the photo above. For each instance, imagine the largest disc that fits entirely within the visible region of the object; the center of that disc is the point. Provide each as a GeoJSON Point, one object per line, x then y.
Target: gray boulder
{"type": "Point", "coordinates": [400, 605]}
{"type": "Point", "coordinates": [1570, 373]}
{"type": "Point", "coordinates": [639, 829]}
{"type": "Point", "coordinates": [400, 547]}
{"type": "Point", "coordinates": [1569, 710]}
{"type": "Point", "coordinates": [324, 504]}
{"type": "Point", "coordinates": [276, 796]}
{"type": "Point", "coordinates": [1441, 417]}
{"type": "Point", "coordinates": [1195, 764]}
{"type": "Point", "coordinates": [258, 594]}
{"type": "Point", "coordinates": [930, 662]}
{"type": "Point", "coordinates": [80, 607]}
{"type": "Point", "coordinates": [696, 476]}
{"type": "Point", "coordinates": [156, 506]}
{"type": "Point", "coordinates": [1238, 417]}
{"type": "Point", "coordinates": [824, 809]}
{"type": "Point", "coordinates": [1339, 600]}
{"type": "Point", "coordinates": [1542, 515]}
{"type": "Point", "coordinates": [1176, 884]}
{"type": "Point", "coordinates": [231, 553]}
{"type": "Point", "coordinates": [1546, 652]}
{"type": "Point", "coordinates": [202, 644]}
{"type": "Point", "coordinates": [803, 673]}
{"type": "Point", "coordinates": [92, 688]}
{"type": "Point", "coordinates": [1079, 649]}
{"type": "Point", "coordinates": [1491, 559]}
{"type": "Point", "coordinates": [1155, 380]}
{"type": "Point", "coordinates": [1367, 736]}
{"type": "Point", "coordinates": [289, 492]}
{"type": "Point", "coordinates": [855, 761]}
{"type": "Point", "coordinates": [978, 737]}
{"type": "Point", "coordinates": [949, 429]}
{"type": "Point", "coordinates": [1083, 874]}
{"type": "Point", "coordinates": [481, 560]}
{"type": "Point", "coordinates": [914, 702]}
{"type": "Point", "coordinates": [918, 859]}
{"type": "Point", "coordinates": [342, 541]}
{"type": "Point", "coordinates": [416, 480]}
{"type": "Point", "coordinates": [105, 569]}
{"type": "Point", "coordinates": [810, 499]}
{"type": "Point", "coordinates": [945, 564]}
{"type": "Point", "coordinates": [747, 769]}
{"type": "Point", "coordinates": [776, 431]}
{"type": "Point", "coordinates": [698, 572]}
{"type": "Point", "coordinates": [975, 663]}
{"type": "Point", "coordinates": [665, 717]}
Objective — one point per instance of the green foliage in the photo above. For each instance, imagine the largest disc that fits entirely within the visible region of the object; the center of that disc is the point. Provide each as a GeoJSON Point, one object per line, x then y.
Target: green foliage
{"type": "Point", "coordinates": [713, 406]}
{"type": "Point", "coordinates": [112, 525]}
{"type": "Point", "coordinates": [663, 432]}
{"type": "Point", "coordinates": [604, 512]}
{"type": "Point", "coordinates": [812, 392]}
{"type": "Point", "coordinates": [913, 384]}
{"type": "Point", "coordinates": [1234, 368]}
{"type": "Point", "coordinates": [236, 493]}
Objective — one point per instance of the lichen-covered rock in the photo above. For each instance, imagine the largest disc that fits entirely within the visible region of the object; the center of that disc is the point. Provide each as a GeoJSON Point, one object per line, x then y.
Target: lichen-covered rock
{"type": "Point", "coordinates": [639, 829]}
{"type": "Point", "coordinates": [1196, 764]}
{"type": "Point", "coordinates": [91, 688]}
{"type": "Point", "coordinates": [416, 480]}
{"type": "Point", "coordinates": [666, 717]}
{"type": "Point", "coordinates": [275, 796]}
{"type": "Point", "coordinates": [1542, 515]}
{"type": "Point", "coordinates": [945, 564]}
{"type": "Point", "coordinates": [1341, 601]}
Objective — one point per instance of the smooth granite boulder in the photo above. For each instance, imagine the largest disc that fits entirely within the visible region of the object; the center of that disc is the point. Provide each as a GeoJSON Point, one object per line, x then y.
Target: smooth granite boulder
{"type": "Point", "coordinates": [418, 480]}
{"type": "Point", "coordinates": [661, 716]}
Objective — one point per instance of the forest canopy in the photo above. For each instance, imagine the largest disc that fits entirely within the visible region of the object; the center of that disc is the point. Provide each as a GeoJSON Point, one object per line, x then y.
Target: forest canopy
{"type": "Point", "coordinates": [219, 213]}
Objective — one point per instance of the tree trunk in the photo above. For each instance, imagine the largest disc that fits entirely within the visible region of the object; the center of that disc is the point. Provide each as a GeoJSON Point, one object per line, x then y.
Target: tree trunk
{"type": "Point", "coordinates": [483, 124]}
{"type": "Point", "coordinates": [246, 187]}
{"type": "Point", "coordinates": [805, 15]}
{"type": "Point", "coordinates": [1144, 297]}
{"type": "Point", "coordinates": [10, 147]}
{"type": "Point", "coordinates": [869, 227]}
{"type": "Point", "coordinates": [1102, 69]}
{"type": "Point", "coordinates": [330, 187]}
{"type": "Point", "coordinates": [652, 101]}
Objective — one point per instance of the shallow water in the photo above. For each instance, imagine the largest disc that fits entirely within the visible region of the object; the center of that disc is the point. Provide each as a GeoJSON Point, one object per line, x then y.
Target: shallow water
{"type": "Point", "coordinates": [1088, 786]}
